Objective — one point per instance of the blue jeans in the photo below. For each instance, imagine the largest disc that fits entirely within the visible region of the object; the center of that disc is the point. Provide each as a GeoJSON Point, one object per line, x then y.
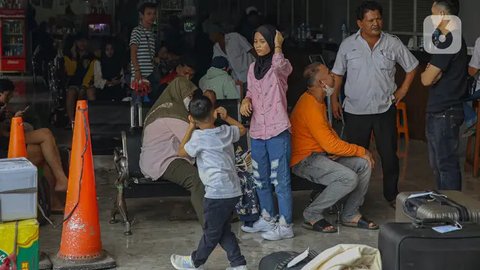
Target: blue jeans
{"type": "Point", "coordinates": [442, 133]}
{"type": "Point", "coordinates": [271, 167]}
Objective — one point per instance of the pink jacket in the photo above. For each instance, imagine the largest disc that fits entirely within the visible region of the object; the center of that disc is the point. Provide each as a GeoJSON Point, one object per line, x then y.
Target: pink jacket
{"type": "Point", "coordinates": [269, 99]}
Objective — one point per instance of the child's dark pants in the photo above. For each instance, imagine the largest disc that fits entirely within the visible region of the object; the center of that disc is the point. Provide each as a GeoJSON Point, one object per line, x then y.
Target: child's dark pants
{"type": "Point", "coordinates": [217, 230]}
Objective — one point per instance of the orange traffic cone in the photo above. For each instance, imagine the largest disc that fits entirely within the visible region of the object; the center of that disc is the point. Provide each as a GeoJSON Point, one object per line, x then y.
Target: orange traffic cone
{"type": "Point", "coordinates": [81, 245]}
{"type": "Point", "coordinates": [16, 146]}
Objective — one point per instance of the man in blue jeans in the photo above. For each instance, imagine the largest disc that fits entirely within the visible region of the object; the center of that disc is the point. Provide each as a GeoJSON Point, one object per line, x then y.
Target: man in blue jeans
{"type": "Point", "coordinates": [446, 74]}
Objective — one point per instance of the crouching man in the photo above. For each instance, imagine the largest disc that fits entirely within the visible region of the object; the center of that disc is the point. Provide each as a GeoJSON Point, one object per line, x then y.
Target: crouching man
{"type": "Point", "coordinates": [320, 156]}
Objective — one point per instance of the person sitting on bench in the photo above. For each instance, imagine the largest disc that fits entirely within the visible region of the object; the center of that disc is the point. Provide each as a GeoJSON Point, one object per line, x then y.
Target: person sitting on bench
{"type": "Point", "coordinates": [42, 148]}
{"type": "Point", "coordinates": [108, 74]}
{"type": "Point", "coordinates": [320, 156]}
{"type": "Point", "coordinates": [165, 125]}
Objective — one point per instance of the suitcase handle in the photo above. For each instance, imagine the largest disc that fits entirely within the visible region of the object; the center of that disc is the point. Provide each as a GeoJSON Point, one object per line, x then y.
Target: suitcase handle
{"type": "Point", "coordinates": [429, 222]}
{"type": "Point", "coordinates": [442, 199]}
{"type": "Point", "coordinates": [462, 210]}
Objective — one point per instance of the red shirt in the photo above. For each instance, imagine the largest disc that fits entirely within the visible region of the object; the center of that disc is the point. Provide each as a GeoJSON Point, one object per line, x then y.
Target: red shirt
{"type": "Point", "coordinates": [169, 78]}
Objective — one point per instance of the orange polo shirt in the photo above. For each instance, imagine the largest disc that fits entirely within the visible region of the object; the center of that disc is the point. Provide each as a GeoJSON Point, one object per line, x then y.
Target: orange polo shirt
{"type": "Point", "coordinates": [312, 133]}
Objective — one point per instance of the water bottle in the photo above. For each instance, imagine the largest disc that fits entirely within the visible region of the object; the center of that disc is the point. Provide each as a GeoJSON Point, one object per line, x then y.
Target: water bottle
{"type": "Point", "coordinates": [308, 31]}
{"type": "Point", "coordinates": [344, 31]}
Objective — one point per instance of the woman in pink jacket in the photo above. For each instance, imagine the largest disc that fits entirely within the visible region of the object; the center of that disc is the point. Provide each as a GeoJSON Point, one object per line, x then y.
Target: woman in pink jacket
{"type": "Point", "coordinates": [266, 102]}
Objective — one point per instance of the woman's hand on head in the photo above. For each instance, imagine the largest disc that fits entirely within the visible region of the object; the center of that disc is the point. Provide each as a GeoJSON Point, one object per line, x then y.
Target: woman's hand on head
{"type": "Point", "coordinates": [278, 39]}
{"type": "Point", "coordinates": [246, 107]}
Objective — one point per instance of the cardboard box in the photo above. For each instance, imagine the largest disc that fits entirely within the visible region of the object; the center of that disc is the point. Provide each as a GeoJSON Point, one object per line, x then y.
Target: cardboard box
{"type": "Point", "coordinates": [26, 233]}
{"type": "Point", "coordinates": [18, 189]}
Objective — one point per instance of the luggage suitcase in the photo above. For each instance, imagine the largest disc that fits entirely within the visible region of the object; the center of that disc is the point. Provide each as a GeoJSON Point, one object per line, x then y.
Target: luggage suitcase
{"type": "Point", "coordinates": [454, 205]}
{"type": "Point", "coordinates": [405, 246]}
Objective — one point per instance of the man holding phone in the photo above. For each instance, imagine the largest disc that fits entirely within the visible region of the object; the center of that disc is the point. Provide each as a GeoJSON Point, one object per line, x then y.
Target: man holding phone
{"type": "Point", "coordinates": [42, 149]}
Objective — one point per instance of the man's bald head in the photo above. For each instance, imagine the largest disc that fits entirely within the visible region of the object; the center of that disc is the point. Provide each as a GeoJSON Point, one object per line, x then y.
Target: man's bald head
{"type": "Point", "coordinates": [316, 73]}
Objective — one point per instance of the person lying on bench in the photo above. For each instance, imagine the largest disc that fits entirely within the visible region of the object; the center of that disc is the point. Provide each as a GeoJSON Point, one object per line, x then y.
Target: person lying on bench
{"type": "Point", "coordinates": [165, 125]}
{"type": "Point", "coordinates": [42, 148]}
{"type": "Point", "coordinates": [320, 156]}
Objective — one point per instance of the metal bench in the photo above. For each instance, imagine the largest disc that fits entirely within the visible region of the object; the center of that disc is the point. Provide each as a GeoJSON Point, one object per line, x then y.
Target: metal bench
{"type": "Point", "coordinates": [131, 183]}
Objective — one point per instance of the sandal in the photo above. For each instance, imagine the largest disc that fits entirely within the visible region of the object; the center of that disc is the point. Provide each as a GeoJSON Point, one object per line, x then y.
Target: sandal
{"type": "Point", "coordinates": [362, 223]}
{"type": "Point", "coordinates": [320, 226]}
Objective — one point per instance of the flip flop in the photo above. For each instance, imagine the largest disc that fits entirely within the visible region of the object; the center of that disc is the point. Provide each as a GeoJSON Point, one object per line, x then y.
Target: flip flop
{"type": "Point", "coordinates": [363, 223]}
{"type": "Point", "coordinates": [320, 226]}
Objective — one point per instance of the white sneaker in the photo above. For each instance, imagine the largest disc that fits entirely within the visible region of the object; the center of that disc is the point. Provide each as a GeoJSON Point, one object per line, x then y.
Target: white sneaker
{"type": "Point", "coordinates": [261, 225]}
{"type": "Point", "coordinates": [183, 262]}
{"type": "Point", "coordinates": [241, 267]}
{"type": "Point", "coordinates": [281, 231]}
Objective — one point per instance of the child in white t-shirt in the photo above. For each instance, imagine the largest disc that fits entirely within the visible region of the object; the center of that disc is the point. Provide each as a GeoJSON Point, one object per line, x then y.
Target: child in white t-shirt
{"type": "Point", "coordinates": [213, 149]}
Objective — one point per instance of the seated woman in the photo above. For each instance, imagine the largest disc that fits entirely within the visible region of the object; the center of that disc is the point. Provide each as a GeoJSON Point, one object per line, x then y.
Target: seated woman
{"type": "Point", "coordinates": [79, 71]}
{"type": "Point", "coordinates": [108, 73]}
{"type": "Point", "coordinates": [42, 149]}
{"type": "Point", "coordinates": [165, 125]}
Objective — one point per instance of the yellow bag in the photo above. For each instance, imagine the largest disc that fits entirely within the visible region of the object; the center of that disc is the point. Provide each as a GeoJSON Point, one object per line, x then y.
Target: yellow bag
{"type": "Point", "coordinates": [20, 237]}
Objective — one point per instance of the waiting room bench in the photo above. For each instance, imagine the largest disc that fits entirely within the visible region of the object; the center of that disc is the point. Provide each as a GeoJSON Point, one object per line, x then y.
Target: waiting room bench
{"type": "Point", "coordinates": [131, 183]}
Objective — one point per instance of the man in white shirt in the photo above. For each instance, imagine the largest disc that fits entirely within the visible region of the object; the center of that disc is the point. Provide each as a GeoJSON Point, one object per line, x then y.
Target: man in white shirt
{"type": "Point", "coordinates": [235, 48]}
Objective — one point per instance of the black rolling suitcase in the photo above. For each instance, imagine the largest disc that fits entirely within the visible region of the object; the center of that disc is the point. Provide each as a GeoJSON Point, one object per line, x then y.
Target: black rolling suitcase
{"type": "Point", "coordinates": [406, 246]}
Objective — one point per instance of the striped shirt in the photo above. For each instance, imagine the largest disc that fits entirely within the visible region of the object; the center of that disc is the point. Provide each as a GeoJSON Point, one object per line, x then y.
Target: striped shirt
{"type": "Point", "coordinates": [145, 41]}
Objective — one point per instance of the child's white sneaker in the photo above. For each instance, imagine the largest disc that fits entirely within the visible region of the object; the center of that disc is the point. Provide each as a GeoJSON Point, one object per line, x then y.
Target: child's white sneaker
{"type": "Point", "coordinates": [183, 262]}
{"type": "Point", "coordinates": [261, 225]}
{"type": "Point", "coordinates": [241, 267]}
{"type": "Point", "coordinates": [281, 231]}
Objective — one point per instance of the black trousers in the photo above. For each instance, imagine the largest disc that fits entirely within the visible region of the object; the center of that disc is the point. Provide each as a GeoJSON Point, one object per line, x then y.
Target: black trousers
{"type": "Point", "coordinates": [217, 230]}
{"type": "Point", "coordinates": [358, 129]}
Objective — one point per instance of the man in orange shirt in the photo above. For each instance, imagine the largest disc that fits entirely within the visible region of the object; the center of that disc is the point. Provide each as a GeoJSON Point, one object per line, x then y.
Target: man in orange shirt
{"type": "Point", "coordinates": [320, 156]}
